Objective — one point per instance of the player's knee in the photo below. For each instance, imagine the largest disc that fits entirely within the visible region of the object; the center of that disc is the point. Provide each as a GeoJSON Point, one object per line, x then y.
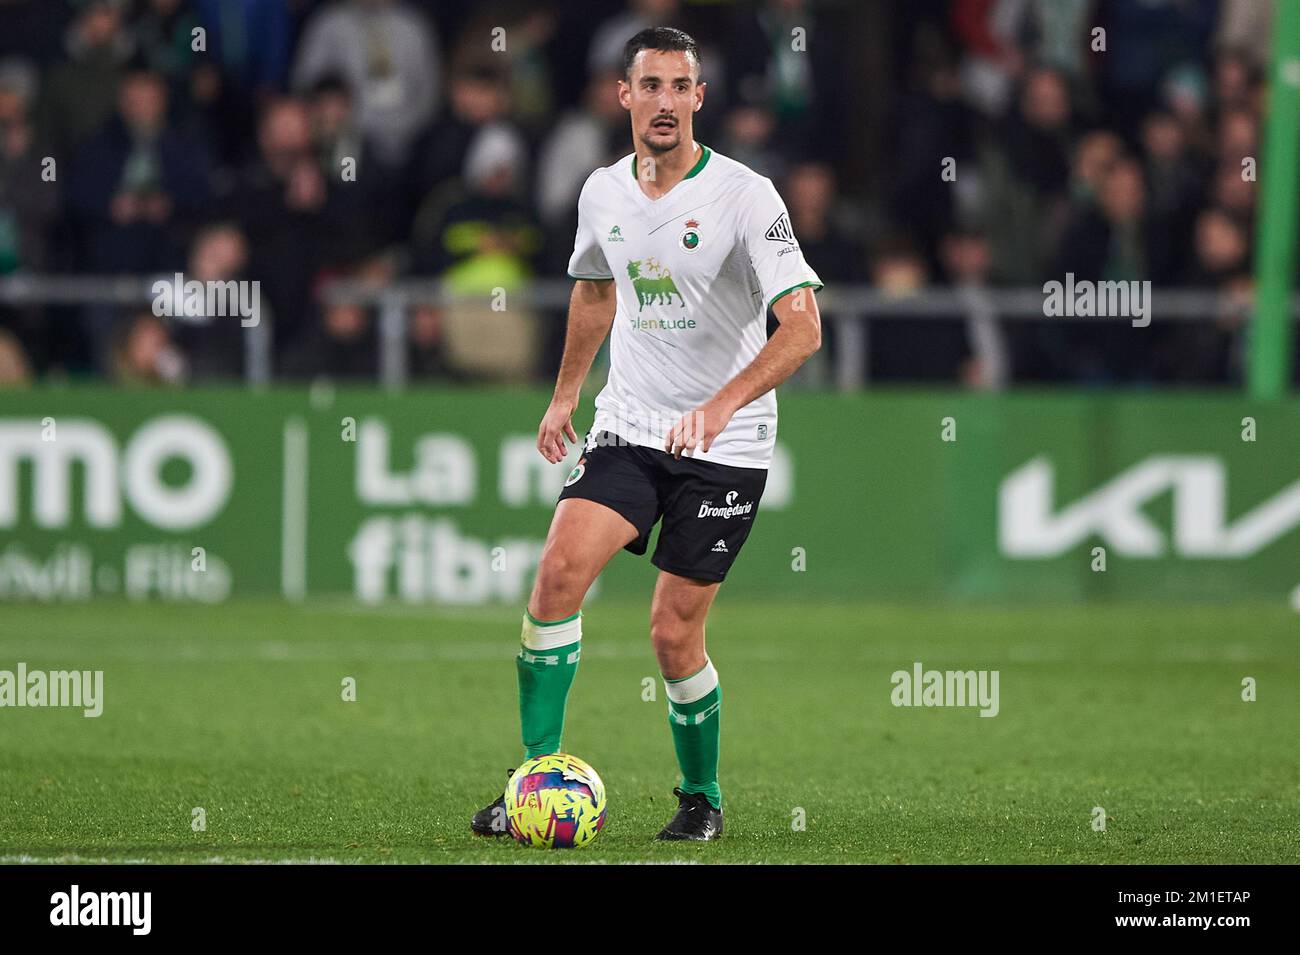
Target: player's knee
{"type": "Point", "coordinates": [672, 636]}
{"type": "Point", "coordinates": [560, 582]}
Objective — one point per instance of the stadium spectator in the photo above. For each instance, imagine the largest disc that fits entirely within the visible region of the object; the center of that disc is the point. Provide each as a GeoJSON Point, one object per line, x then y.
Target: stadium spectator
{"type": "Point", "coordinates": [1209, 350]}
{"type": "Point", "coordinates": [80, 92]}
{"type": "Point", "coordinates": [1108, 240]}
{"type": "Point", "coordinates": [388, 54]}
{"type": "Point", "coordinates": [144, 353]}
{"type": "Point", "coordinates": [935, 125]}
{"type": "Point", "coordinates": [810, 191]}
{"type": "Point", "coordinates": [136, 180]}
{"type": "Point", "coordinates": [214, 344]}
{"type": "Point", "coordinates": [902, 349]}
{"type": "Point", "coordinates": [485, 245]}
{"type": "Point", "coordinates": [750, 137]}
{"type": "Point", "coordinates": [133, 190]}
{"type": "Point", "coordinates": [768, 64]}
{"type": "Point", "coordinates": [606, 50]}
{"type": "Point", "coordinates": [1245, 27]}
{"type": "Point", "coordinates": [583, 139]}
{"type": "Point", "coordinates": [15, 369]}
{"type": "Point", "coordinates": [341, 345]}
{"type": "Point", "coordinates": [521, 32]}
{"type": "Point", "coordinates": [29, 204]}
{"type": "Point", "coordinates": [486, 237]}
{"type": "Point", "coordinates": [1175, 177]}
{"type": "Point", "coordinates": [967, 264]}
{"type": "Point", "coordinates": [478, 100]}
{"type": "Point", "coordinates": [29, 201]}
{"type": "Point", "coordinates": [1144, 43]}
{"type": "Point", "coordinates": [363, 191]}
{"type": "Point", "coordinates": [163, 30]}
{"type": "Point", "coordinates": [1026, 170]}
{"type": "Point", "coordinates": [297, 220]}
{"type": "Point", "coordinates": [427, 348]}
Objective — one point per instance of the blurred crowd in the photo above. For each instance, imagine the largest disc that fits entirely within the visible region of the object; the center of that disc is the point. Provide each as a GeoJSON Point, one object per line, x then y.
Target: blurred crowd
{"type": "Point", "coordinates": [293, 143]}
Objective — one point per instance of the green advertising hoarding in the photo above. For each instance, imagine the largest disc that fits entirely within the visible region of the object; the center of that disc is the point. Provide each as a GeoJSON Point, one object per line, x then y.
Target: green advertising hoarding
{"type": "Point", "coordinates": [440, 497]}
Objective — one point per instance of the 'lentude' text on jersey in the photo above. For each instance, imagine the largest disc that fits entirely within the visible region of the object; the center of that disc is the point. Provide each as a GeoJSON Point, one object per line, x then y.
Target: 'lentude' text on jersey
{"type": "Point", "coordinates": [696, 270]}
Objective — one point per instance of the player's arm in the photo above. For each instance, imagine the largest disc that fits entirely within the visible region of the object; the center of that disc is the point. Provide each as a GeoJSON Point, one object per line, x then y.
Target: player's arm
{"type": "Point", "coordinates": [799, 335]}
{"type": "Point", "coordinates": [591, 313]}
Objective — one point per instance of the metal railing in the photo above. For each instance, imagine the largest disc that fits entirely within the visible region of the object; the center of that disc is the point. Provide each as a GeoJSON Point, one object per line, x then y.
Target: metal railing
{"type": "Point", "coordinates": [847, 308]}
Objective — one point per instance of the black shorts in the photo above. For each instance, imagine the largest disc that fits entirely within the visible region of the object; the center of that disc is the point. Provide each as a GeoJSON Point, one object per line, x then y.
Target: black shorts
{"type": "Point", "coordinates": [707, 508]}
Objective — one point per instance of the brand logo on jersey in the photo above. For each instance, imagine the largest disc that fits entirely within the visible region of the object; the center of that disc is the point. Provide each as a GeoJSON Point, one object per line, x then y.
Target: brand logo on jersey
{"type": "Point", "coordinates": [720, 547]}
{"type": "Point", "coordinates": [615, 235]}
{"type": "Point", "coordinates": [780, 230]}
{"type": "Point", "coordinates": [653, 283]}
{"type": "Point", "coordinates": [762, 432]}
{"type": "Point", "coordinates": [689, 240]}
{"type": "Point", "coordinates": [731, 509]}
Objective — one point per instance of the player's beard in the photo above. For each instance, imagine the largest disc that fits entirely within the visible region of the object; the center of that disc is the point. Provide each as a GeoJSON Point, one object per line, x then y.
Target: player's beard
{"type": "Point", "coordinates": [662, 145]}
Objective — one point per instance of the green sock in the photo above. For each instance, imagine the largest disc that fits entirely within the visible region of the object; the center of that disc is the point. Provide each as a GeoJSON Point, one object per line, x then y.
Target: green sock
{"type": "Point", "coordinates": [695, 714]}
{"type": "Point", "coordinates": [547, 663]}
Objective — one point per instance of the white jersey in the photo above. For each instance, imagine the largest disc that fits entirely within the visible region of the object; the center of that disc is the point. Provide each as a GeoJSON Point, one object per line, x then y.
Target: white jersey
{"type": "Point", "coordinates": [695, 270]}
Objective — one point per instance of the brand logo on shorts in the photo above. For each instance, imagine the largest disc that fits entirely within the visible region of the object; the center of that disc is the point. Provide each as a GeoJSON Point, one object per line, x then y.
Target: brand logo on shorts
{"type": "Point", "coordinates": [720, 547]}
{"type": "Point", "coordinates": [576, 474]}
{"type": "Point", "coordinates": [732, 509]}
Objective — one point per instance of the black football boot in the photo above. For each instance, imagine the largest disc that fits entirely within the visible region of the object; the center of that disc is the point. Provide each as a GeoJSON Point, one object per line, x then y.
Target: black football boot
{"type": "Point", "coordinates": [696, 819]}
{"type": "Point", "coordinates": [491, 819]}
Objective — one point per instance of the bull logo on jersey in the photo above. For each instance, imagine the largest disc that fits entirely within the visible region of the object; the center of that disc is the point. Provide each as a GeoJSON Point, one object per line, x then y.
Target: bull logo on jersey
{"type": "Point", "coordinates": [655, 286]}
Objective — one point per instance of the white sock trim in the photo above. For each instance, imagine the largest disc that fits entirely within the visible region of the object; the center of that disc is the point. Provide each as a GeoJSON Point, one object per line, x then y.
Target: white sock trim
{"type": "Point", "coordinates": [551, 635]}
{"type": "Point", "coordinates": [693, 687]}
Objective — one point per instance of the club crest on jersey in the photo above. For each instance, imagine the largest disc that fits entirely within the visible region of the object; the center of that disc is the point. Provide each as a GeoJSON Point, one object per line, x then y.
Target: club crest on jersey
{"type": "Point", "coordinates": [689, 240]}
{"type": "Point", "coordinates": [615, 235]}
{"type": "Point", "coordinates": [653, 283]}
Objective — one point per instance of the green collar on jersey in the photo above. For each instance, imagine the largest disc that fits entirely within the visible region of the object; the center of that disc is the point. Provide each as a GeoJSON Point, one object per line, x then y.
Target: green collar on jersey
{"type": "Point", "coordinates": [705, 153]}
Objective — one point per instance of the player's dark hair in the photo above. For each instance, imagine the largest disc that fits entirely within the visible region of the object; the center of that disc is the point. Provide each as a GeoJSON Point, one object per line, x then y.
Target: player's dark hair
{"type": "Point", "coordinates": [663, 39]}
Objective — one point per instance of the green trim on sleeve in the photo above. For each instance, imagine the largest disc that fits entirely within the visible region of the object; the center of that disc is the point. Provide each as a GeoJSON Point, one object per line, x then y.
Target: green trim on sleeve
{"type": "Point", "coordinates": [592, 278]}
{"type": "Point", "coordinates": [819, 285]}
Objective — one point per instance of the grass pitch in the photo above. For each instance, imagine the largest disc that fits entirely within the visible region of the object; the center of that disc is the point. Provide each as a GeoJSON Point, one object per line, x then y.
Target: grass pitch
{"type": "Point", "coordinates": [238, 710]}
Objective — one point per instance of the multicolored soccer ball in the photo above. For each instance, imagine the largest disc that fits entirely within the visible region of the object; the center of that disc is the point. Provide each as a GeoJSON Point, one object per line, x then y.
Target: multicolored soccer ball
{"type": "Point", "coordinates": [555, 802]}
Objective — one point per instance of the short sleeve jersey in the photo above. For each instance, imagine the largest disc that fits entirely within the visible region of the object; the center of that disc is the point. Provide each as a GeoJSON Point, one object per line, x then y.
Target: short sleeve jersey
{"type": "Point", "coordinates": [696, 270]}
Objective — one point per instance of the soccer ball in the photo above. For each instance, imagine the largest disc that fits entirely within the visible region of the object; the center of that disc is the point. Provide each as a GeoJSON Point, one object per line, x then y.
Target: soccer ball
{"type": "Point", "coordinates": [555, 802]}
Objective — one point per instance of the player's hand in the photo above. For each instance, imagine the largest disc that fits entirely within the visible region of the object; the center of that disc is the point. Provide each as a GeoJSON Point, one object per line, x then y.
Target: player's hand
{"type": "Point", "coordinates": [697, 429]}
{"type": "Point", "coordinates": [556, 424]}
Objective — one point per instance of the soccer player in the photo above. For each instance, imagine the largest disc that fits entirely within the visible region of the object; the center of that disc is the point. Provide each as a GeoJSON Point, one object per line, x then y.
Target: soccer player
{"type": "Point", "coordinates": [682, 251]}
